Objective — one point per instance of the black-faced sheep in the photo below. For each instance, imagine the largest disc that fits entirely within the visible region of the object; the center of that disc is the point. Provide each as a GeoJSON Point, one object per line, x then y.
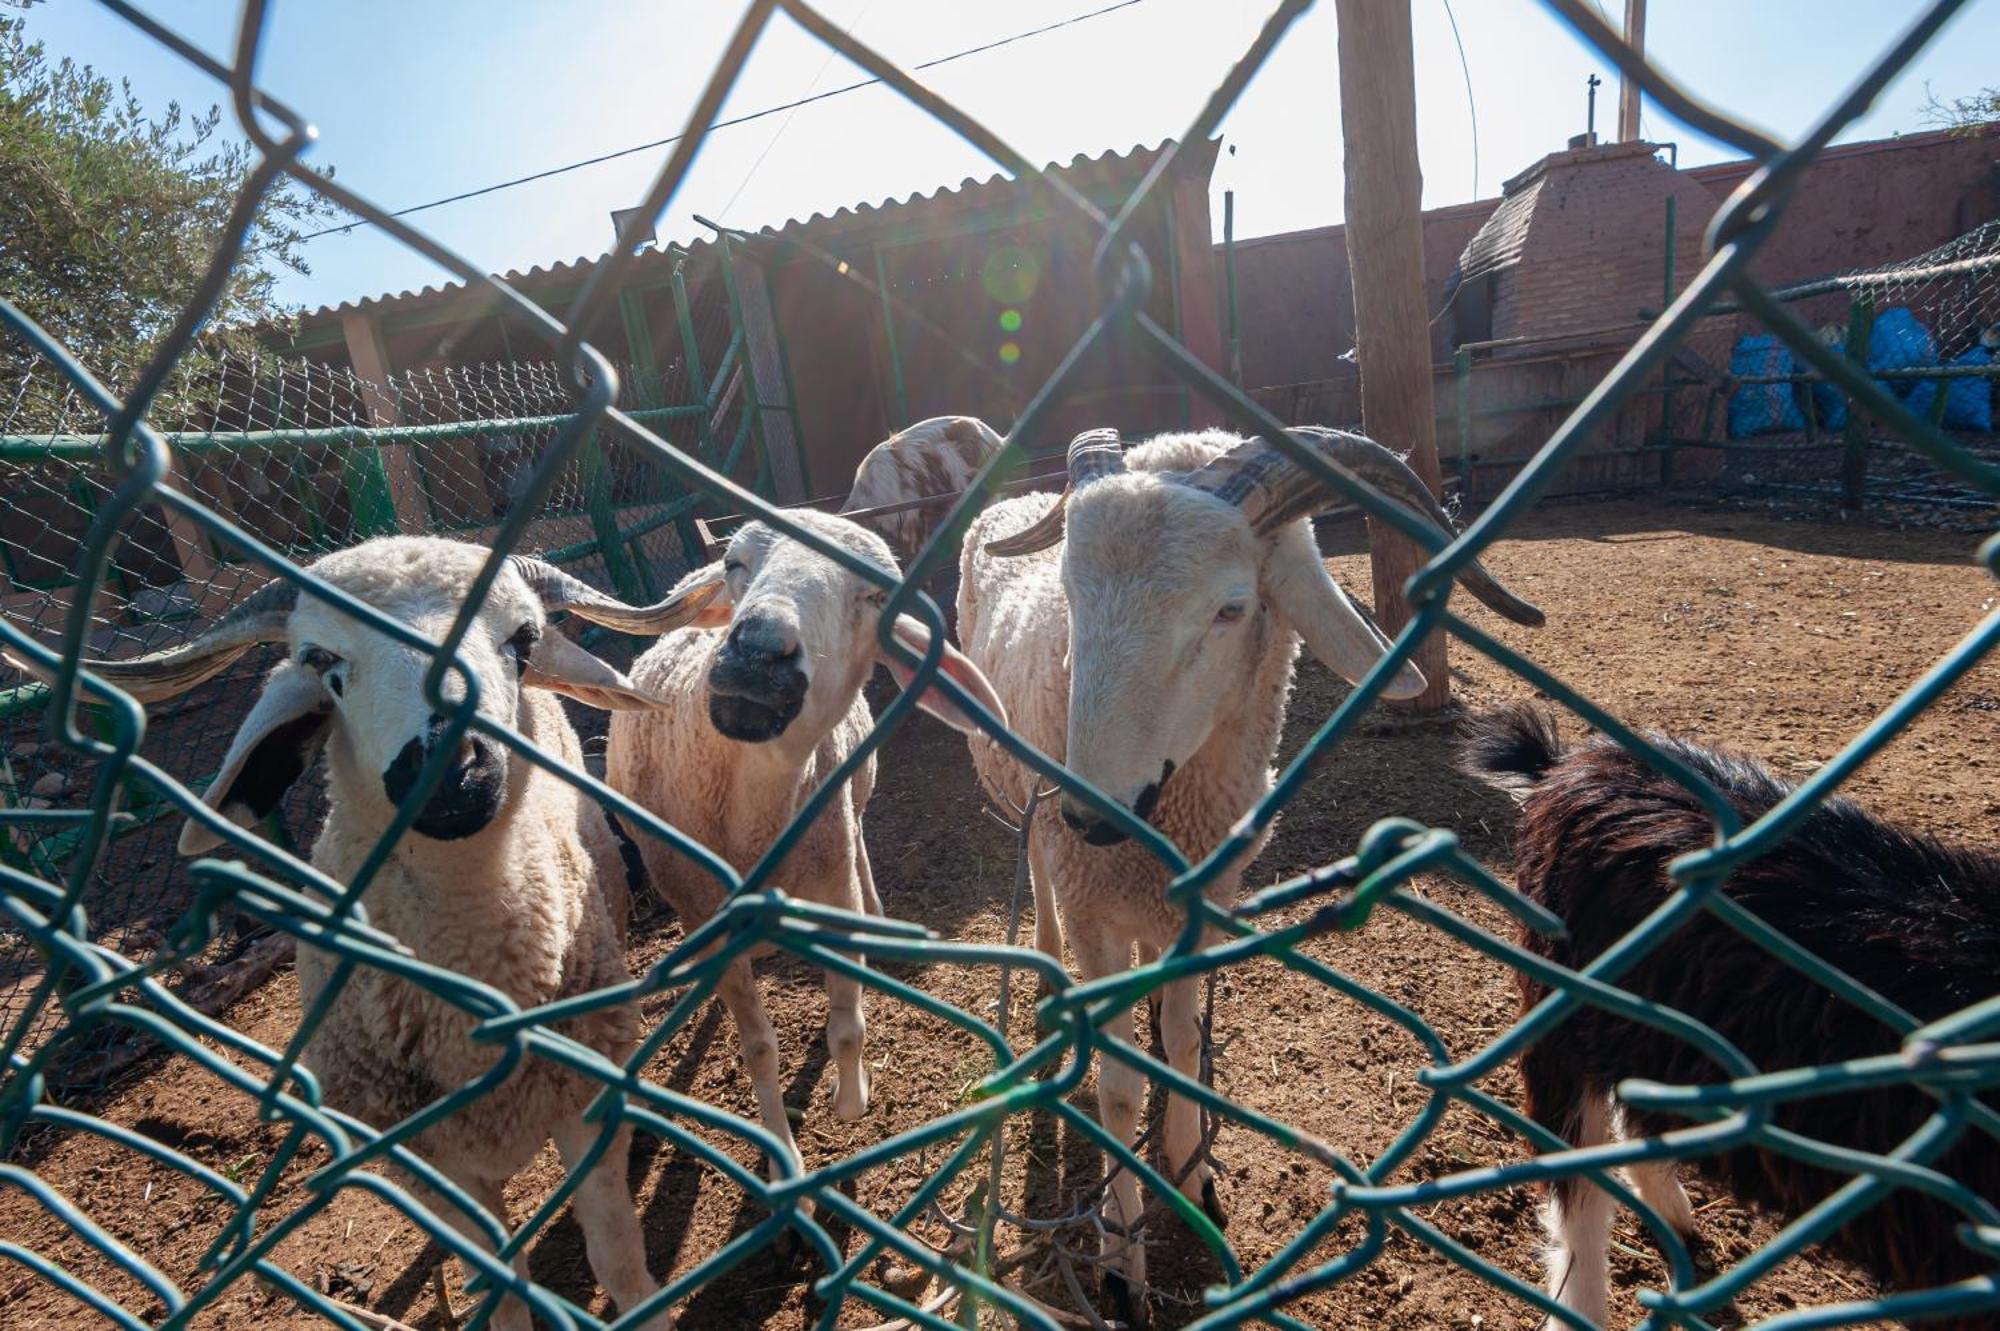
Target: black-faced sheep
{"type": "Point", "coordinates": [1914, 919]}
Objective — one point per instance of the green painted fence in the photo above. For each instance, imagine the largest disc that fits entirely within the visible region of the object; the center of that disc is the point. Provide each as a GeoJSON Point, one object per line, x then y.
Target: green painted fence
{"type": "Point", "coordinates": [89, 987]}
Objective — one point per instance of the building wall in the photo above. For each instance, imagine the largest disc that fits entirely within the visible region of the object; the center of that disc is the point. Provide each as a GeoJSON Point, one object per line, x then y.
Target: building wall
{"type": "Point", "coordinates": [1861, 205]}
{"type": "Point", "coordinates": [1295, 297]}
{"type": "Point", "coordinates": [1864, 204]}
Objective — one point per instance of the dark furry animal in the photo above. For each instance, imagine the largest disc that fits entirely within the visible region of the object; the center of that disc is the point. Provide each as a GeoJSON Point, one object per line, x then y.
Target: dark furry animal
{"type": "Point", "coordinates": [1915, 919]}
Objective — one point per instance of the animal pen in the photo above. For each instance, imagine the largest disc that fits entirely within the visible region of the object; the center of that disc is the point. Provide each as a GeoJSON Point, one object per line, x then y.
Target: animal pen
{"type": "Point", "coordinates": [145, 500]}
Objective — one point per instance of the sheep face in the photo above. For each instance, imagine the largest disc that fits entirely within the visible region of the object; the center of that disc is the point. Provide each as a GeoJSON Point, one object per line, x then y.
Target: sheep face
{"type": "Point", "coordinates": [1169, 613]}
{"type": "Point", "coordinates": [351, 689]}
{"type": "Point", "coordinates": [801, 634]}
{"type": "Point", "coordinates": [370, 694]}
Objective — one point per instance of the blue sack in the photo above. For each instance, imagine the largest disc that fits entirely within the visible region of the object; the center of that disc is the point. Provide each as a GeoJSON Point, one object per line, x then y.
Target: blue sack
{"type": "Point", "coordinates": [1899, 341]}
{"type": "Point", "coordinates": [1829, 406]}
{"type": "Point", "coordinates": [1968, 402]}
{"type": "Point", "coordinates": [1762, 408]}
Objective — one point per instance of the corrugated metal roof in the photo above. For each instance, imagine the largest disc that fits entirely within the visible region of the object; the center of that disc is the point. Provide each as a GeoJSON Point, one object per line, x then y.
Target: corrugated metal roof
{"type": "Point", "coordinates": [969, 195]}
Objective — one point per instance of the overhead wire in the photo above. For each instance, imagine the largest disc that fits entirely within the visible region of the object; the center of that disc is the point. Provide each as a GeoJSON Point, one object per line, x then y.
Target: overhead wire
{"type": "Point", "coordinates": [1072, 20]}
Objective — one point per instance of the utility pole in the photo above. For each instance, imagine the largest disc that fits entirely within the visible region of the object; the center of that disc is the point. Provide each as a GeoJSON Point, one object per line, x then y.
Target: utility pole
{"type": "Point", "coordinates": [1628, 87]}
{"type": "Point", "coordinates": [1385, 254]}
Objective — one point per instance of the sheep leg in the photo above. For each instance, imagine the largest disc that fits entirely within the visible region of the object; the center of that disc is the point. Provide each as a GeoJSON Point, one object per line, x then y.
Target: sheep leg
{"type": "Point", "coordinates": [1576, 1213]}
{"type": "Point", "coordinates": [1048, 925]}
{"type": "Point", "coordinates": [871, 900]}
{"type": "Point", "coordinates": [1180, 1031]}
{"type": "Point", "coordinates": [846, 1030]}
{"type": "Point", "coordinates": [612, 1237]}
{"type": "Point", "coordinates": [1120, 1086]}
{"type": "Point", "coordinates": [758, 1045]}
{"type": "Point", "coordinates": [1659, 1186]}
{"type": "Point", "coordinates": [1148, 954]}
{"type": "Point", "coordinates": [490, 1194]}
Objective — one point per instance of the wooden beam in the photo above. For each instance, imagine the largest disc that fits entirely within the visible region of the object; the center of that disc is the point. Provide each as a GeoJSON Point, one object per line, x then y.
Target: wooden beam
{"type": "Point", "coordinates": [1385, 254]}
{"type": "Point", "coordinates": [1200, 309]}
{"type": "Point", "coordinates": [370, 359]}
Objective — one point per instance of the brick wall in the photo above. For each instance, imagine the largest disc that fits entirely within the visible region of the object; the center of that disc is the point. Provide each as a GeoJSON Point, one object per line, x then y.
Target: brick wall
{"type": "Point", "coordinates": [1862, 204]}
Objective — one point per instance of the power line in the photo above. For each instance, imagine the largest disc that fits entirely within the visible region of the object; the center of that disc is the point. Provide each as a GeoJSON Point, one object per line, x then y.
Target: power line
{"type": "Point", "coordinates": [1471, 107]}
{"type": "Point", "coordinates": [724, 124]}
{"type": "Point", "coordinates": [722, 213]}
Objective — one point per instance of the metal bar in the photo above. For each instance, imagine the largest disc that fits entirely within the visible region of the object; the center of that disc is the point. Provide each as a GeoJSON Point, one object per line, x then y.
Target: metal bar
{"type": "Point", "coordinates": [889, 336]}
{"type": "Point", "coordinates": [1854, 457]}
{"type": "Point", "coordinates": [90, 447]}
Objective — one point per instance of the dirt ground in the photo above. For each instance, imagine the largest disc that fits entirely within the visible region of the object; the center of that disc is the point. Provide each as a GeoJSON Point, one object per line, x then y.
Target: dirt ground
{"type": "Point", "coordinates": [1780, 638]}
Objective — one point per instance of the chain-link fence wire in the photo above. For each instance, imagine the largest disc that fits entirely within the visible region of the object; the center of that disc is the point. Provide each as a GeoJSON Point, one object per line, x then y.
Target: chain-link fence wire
{"type": "Point", "coordinates": [95, 987]}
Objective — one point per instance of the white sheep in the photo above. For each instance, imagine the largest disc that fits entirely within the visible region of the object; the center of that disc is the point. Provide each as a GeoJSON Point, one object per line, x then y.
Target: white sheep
{"type": "Point", "coordinates": [939, 456]}
{"type": "Point", "coordinates": [1160, 644]}
{"type": "Point", "coordinates": [765, 693]}
{"type": "Point", "coordinates": [509, 876]}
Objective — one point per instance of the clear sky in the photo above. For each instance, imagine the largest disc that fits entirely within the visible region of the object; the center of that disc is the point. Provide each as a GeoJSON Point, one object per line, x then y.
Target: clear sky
{"type": "Point", "coordinates": [417, 100]}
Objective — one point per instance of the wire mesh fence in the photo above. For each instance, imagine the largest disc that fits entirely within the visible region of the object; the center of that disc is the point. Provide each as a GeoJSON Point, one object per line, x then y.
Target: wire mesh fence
{"type": "Point", "coordinates": [156, 500]}
{"type": "Point", "coordinates": [1928, 329]}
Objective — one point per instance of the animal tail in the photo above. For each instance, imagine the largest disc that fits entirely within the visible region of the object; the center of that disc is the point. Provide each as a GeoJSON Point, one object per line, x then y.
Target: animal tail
{"type": "Point", "coordinates": [1511, 748]}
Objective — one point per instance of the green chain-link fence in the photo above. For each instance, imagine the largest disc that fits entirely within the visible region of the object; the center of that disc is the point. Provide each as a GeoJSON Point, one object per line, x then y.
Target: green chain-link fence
{"type": "Point", "coordinates": [91, 987]}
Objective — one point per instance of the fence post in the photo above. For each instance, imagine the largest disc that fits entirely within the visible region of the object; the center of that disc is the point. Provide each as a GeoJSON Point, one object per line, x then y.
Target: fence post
{"type": "Point", "coordinates": [791, 478]}
{"type": "Point", "coordinates": [370, 361]}
{"type": "Point", "coordinates": [1385, 250]}
{"type": "Point", "coordinates": [1235, 345]}
{"type": "Point", "coordinates": [1854, 456]}
{"type": "Point", "coordinates": [1665, 439]}
{"type": "Point", "coordinates": [594, 474]}
{"type": "Point", "coordinates": [1461, 373]}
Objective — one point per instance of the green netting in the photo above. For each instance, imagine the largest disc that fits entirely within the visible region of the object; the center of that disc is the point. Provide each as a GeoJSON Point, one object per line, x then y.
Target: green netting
{"type": "Point", "coordinates": [132, 464]}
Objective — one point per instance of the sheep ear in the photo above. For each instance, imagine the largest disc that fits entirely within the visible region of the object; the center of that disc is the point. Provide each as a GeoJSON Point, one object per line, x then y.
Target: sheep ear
{"type": "Point", "coordinates": [559, 665]}
{"type": "Point", "coordinates": [1305, 594]}
{"type": "Point", "coordinates": [273, 748]}
{"type": "Point", "coordinates": [912, 634]}
{"type": "Point", "coordinates": [706, 598]}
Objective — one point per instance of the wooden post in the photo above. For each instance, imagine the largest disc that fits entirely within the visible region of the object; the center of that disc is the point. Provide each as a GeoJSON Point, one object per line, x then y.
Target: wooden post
{"type": "Point", "coordinates": [1628, 87]}
{"type": "Point", "coordinates": [1385, 253]}
{"type": "Point", "coordinates": [1199, 312]}
{"type": "Point", "coordinates": [370, 359]}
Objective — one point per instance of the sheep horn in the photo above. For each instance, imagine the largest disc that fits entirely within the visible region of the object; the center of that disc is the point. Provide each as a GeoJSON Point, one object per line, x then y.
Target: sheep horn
{"type": "Point", "coordinates": [558, 590]}
{"type": "Point", "coordinates": [258, 618]}
{"type": "Point", "coordinates": [1273, 490]}
{"type": "Point", "coordinates": [1092, 454]}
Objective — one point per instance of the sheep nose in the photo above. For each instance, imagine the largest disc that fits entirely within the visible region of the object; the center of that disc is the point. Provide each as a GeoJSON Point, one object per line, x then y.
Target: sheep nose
{"type": "Point", "coordinates": [400, 777]}
{"type": "Point", "coordinates": [766, 636]}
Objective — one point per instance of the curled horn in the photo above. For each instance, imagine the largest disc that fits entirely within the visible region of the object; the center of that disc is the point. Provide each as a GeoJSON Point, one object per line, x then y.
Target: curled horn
{"type": "Point", "coordinates": [1273, 490]}
{"type": "Point", "coordinates": [558, 590]}
{"type": "Point", "coordinates": [1092, 454]}
{"type": "Point", "coordinates": [258, 618]}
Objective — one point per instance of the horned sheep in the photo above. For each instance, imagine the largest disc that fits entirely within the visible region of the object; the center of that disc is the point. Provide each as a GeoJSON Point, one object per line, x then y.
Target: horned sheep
{"type": "Point", "coordinates": [1153, 655]}
{"type": "Point", "coordinates": [765, 688]}
{"type": "Point", "coordinates": [1912, 918]}
{"type": "Point", "coordinates": [507, 875]}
